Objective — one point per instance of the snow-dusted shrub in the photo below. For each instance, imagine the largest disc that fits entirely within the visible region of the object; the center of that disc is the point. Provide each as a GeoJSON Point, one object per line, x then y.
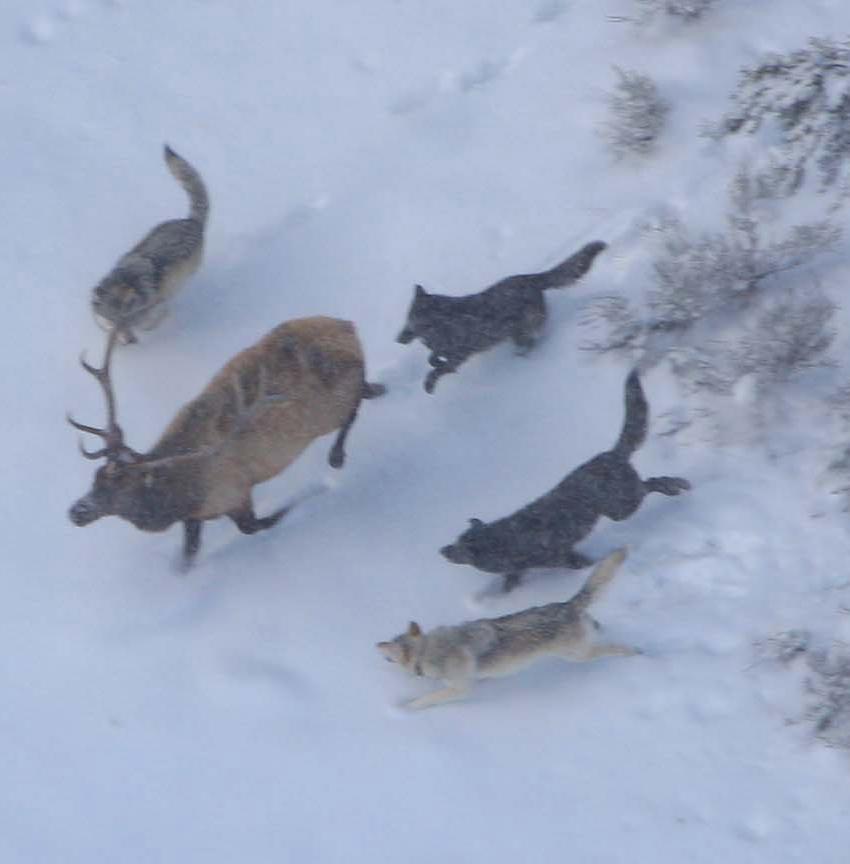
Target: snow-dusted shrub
{"type": "Point", "coordinates": [825, 680]}
{"type": "Point", "coordinates": [828, 685]}
{"type": "Point", "coordinates": [714, 278]}
{"type": "Point", "coordinates": [804, 97]}
{"type": "Point", "coordinates": [686, 10]}
{"type": "Point", "coordinates": [780, 340]}
{"type": "Point", "coordinates": [637, 114]}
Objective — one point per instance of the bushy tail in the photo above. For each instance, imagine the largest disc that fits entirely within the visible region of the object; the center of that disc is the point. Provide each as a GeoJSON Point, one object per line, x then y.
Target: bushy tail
{"type": "Point", "coordinates": [572, 269]}
{"type": "Point", "coordinates": [602, 574]}
{"type": "Point", "coordinates": [636, 421]}
{"type": "Point", "coordinates": [191, 181]}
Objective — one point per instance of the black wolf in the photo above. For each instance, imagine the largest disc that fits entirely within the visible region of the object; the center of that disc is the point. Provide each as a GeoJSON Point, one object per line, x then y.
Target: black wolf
{"type": "Point", "coordinates": [455, 328]}
{"type": "Point", "coordinates": [542, 534]}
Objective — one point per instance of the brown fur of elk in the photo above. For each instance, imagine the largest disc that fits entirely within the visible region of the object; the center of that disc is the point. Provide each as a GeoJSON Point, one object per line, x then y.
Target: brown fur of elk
{"type": "Point", "coordinates": [304, 379]}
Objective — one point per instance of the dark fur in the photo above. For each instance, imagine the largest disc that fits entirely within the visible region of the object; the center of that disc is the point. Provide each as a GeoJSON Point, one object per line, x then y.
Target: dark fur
{"type": "Point", "coordinates": [455, 328]}
{"type": "Point", "coordinates": [543, 533]}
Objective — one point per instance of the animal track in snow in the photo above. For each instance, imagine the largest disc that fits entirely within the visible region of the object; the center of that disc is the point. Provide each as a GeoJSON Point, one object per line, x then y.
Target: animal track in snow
{"type": "Point", "coordinates": [549, 10]}
{"type": "Point", "coordinates": [44, 26]}
{"type": "Point", "coordinates": [474, 78]}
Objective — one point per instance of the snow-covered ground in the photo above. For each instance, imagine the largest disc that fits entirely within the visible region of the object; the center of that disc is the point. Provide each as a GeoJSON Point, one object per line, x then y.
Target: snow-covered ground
{"type": "Point", "coordinates": [241, 712]}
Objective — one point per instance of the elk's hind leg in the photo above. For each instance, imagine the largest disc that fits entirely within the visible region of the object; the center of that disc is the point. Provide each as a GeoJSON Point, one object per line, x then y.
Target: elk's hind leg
{"type": "Point", "coordinates": [248, 522]}
{"type": "Point", "coordinates": [191, 541]}
{"type": "Point", "coordinates": [337, 454]}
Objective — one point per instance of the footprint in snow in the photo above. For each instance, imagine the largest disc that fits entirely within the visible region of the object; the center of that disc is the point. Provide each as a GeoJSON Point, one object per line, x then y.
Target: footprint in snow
{"type": "Point", "coordinates": [549, 10]}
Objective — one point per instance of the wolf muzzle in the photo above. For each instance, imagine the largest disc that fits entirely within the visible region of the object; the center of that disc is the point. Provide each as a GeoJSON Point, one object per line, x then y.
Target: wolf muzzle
{"type": "Point", "coordinates": [456, 554]}
{"type": "Point", "coordinates": [406, 336]}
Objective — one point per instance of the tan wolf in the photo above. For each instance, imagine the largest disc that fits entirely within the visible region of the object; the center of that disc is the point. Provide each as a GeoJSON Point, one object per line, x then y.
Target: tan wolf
{"type": "Point", "coordinates": [461, 654]}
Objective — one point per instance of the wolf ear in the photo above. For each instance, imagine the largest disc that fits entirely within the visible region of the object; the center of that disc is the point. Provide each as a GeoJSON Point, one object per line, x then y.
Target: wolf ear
{"type": "Point", "coordinates": [476, 523]}
{"type": "Point", "coordinates": [419, 291]}
{"type": "Point", "coordinates": [414, 629]}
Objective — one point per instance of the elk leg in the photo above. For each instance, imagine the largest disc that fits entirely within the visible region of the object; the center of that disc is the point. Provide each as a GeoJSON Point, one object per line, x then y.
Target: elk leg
{"type": "Point", "coordinates": [248, 522]}
{"type": "Point", "coordinates": [373, 390]}
{"type": "Point", "coordinates": [191, 540]}
{"type": "Point", "coordinates": [336, 459]}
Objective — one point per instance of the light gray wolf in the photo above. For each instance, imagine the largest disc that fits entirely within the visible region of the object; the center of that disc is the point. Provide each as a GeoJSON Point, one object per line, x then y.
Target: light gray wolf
{"type": "Point", "coordinates": [455, 328]}
{"type": "Point", "coordinates": [543, 533]}
{"type": "Point", "coordinates": [461, 654]}
{"type": "Point", "coordinates": [135, 292]}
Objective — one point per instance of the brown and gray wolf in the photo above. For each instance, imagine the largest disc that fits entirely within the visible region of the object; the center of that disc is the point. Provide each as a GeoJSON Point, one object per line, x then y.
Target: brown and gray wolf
{"type": "Point", "coordinates": [135, 291]}
{"type": "Point", "coordinates": [461, 654]}
{"type": "Point", "coordinates": [455, 328]}
{"type": "Point", "coordinates": [543, 533]}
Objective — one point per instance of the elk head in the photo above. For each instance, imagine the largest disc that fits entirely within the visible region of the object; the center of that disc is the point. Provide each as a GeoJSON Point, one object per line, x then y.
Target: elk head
{"type": "Point", "coordinates": [130, 485]}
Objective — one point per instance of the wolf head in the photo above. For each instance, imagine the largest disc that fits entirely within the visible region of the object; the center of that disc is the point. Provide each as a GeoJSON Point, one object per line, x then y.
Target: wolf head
{"type": "Point", "coordinates": [477, 546]}
{"type": "Point", "coordinates": [120, 297]}
{"type": "Point", "coordinates": [416, 316]}
{"type": "Point", "coordinates": [405, 649]}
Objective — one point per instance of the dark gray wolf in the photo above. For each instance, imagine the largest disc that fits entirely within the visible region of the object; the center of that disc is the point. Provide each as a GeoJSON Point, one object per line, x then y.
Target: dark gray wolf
{"type": "Point", "coordinates": [543, 533]}
{"type": "Point", "coordinates": [455, 328]}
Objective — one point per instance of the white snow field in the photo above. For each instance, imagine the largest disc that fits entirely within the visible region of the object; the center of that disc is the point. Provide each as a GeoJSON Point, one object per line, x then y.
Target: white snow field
{"type": "Point", "coordinates": [240, 712]}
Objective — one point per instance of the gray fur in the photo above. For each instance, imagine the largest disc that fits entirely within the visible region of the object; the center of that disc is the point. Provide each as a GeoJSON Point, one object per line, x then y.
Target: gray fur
{"type": "Point", "coordinates": [455, 328]}
{"type": "Point", "coordinates": [491, 647]}
{"type": "Point", "coordinates": [134, 292]}
{"type": "Point", "coordinates": [543, 533]}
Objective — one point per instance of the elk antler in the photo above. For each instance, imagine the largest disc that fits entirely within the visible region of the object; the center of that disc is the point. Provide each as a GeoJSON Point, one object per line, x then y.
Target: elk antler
{"type": "Point", "coordinates": [112, 433]}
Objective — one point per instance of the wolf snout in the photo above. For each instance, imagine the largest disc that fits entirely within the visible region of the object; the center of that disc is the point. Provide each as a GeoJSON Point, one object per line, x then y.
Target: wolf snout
{"type": "Point", "coordinates": [456, 554]}
{"type": "Point", "coordinates": [405, 337]}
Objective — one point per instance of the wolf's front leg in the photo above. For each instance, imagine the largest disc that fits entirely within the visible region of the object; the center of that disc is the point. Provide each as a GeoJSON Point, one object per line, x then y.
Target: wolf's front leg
{"type": "Point", "coordinates": [447, 694]}
{"type": "Point", "coordinates": [609, 649]}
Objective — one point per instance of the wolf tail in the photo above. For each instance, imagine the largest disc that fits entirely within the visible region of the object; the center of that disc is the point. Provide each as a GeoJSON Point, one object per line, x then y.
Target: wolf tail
{"type": "Point", "coordinates": [602, 574]}
{"type": "Point", "coordinates": [570, 270]}
{"type": "Point", "coordinates": [636, 421]}
{"type": "Point", "coordinates": [191, 181]}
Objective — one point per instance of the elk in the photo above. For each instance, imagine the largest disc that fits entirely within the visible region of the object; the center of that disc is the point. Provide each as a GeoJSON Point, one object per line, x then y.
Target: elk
{"type": "Point", "coordinates": [304, 379]}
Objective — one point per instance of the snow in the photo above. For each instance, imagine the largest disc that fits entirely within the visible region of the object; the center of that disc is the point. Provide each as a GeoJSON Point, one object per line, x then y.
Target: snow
{"type": "Point", "coordinates": [241, 712]}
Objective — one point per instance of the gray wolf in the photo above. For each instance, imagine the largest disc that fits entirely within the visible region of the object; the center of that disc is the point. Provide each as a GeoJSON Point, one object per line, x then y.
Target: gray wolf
{"type": "Point", "coordinates": [135, 292]}
{"type": "Point", "coordinates": [455, 328]}
{"type": "Point", "coordinates": [543, 533]}
{"type": "Point", "coordinates": [461, 654]}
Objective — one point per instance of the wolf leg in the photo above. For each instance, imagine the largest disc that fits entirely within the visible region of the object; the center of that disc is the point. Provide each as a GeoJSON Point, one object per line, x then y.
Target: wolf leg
{"type": "Point", "coordinates": [530, 326]}
{"type": "Point", "coordinates": [666, 485]}
{"type": "Point", "coordinates": [511, 580]}
{"type": "Point", "coordinates": [441, 366]}
{"type": "Point", "coordinates": [608, 649]}
{"type": "Point", "coordinates": [249, 523]}
{"type": "Point", "coordinates": [154, 317]}
{"type": "Point", "coordinates": [438, 697]}
{"type": "Point", "coordinates": [576, 561]}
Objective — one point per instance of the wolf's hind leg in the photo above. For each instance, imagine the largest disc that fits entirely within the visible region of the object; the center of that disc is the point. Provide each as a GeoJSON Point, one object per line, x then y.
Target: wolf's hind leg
{"type": "Point", "coordinates": [666, 485]}
{"type": "Point", "coordinates": [527, 332]}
